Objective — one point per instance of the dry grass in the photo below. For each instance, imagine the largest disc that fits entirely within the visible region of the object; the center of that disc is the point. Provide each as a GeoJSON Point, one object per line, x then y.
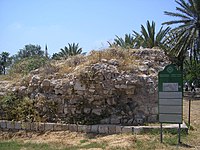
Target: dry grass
{"type": "Point", "coordinates": [76, 63]}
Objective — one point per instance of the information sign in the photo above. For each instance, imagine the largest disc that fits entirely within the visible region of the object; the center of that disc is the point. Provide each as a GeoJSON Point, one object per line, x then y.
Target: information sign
{"type": "Point", "coordinates": [170, 94]}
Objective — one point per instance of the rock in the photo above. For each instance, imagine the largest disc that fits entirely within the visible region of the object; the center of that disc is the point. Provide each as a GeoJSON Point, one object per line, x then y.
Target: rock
{"type": "Point", "coordinates": [45, 83]}
{"type": "Point", "coordinates": [97, 111]}
{"type": "Point", "coordinates": [79, 87]}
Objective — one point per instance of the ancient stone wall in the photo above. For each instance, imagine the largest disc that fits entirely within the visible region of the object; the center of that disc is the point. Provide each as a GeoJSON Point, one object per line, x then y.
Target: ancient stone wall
{"type": "Point", "coordinates": [102, 93]}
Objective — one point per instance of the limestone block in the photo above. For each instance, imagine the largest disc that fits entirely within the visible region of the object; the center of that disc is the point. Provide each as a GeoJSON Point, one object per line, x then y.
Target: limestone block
{"type": "Point", "coordinates": [57, 127]}
{"type": "Point", "coordinates": [49, 126]}
{"type": "Point", "coordinates": [35, 80]}
{"type": "Point", "coordinates": [45, 83]}
{"type": "Point", "coordinates": [66, 111]}
{"type": "Point", "coordinates": [82, 128]}
{"type": "Point", "coordinates": [103, 129]}
{"type": "Point", "coordinates": [79, 87]}
{"type": "Point", "coordinates": [106, 92]}
{"type": "Point", "coordinates": [95, 128]}
{"type": "Point", "coordinates": [73, 110]}
{"type": "Point", "coordinates": [105, 121]}
{"type": "Point", "coordinates": [113, 62]}
{"type": "Point", "coordinates": [97, 102]}
{"type": "Point", "coordinates": [10, 125]}
{"type": "Point", "coordinates": [3, 124]}
{"type": "Point", "coordinates": [22, 89]}
{"type": "Point", "coordinates": [127, 129]}
{"type": "Point", "coordinates": [115, 120]}
{"type": "Point", "coordinates": [87, 110]}
{"type": "Point", "coordinates": [112, 129]}
{"type": "Point", "coordinates": [73, 127]}
{"type": "Point", "coordinates": [82, 92]}
{"type": "Point", "coordinates": [60, 108]}
{"type": "Point", "coordinates": [65, 127]}
{"type": "Point", "coordinates": [18, 125]}
{"type": "Point", "coordinates": [97, 111]}
{"type": "Point", "coordinates": [58, 91]}
{"type": "Point", "coordinates": [92, 90]}
{"type": "Point", "coordinates": [118, 129]}
{"type": "Point", "coordinates": [130, 91]}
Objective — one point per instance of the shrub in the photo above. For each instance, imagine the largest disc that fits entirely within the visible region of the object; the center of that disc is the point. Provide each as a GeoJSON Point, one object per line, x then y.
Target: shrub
{"type": "Point", "coordinates": [13, 107]}
{"type": "Point", "coordinates": [28, 64]}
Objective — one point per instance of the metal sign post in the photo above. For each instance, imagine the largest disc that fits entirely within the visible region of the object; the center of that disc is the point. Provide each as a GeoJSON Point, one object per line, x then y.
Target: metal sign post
{"type": "Point", "coordinates": [170, 94]}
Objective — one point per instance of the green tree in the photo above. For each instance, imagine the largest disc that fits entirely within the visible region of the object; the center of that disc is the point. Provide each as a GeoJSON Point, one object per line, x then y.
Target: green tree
{"type": "Point", "coordinates": [191, 72]}
{"type": "Point", "coordinates": [187, 32]}
{"type": "Point", "coordinates": [148, 37]}
{"type": "Point", "coordinates": [27, 59]}
{"type": "Point", "coordinates": [29, 51]}
{"type": "Point", "coordinates": [5, 61]}
{"type": "Point", "coordinates": [72, 50]}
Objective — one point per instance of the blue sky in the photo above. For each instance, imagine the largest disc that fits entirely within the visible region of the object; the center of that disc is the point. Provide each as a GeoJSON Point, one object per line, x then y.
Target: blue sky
{"type": "Point", "coordinates": [91, 23]}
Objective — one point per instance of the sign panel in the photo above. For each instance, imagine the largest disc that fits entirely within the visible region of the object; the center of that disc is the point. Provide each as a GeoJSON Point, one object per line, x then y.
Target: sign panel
{"type": "Point", "coordinates": [170, 94]}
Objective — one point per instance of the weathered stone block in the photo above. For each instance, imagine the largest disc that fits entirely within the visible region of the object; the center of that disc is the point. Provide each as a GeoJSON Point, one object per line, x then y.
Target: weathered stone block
{"type": "Point", "coordinates": [118, 129]}
{"type": "Point", "coordinates": [3, 124]}
{"type": "Point", "coordinates": [95, 128]}
{"type": "Point", "coordinates": [87, 110]}
{"type": "Point", "coordinates": [105, 121]}
{"type": "Point", "coordinates": [49, 126]}
{"type": "Point", "coordinates": [10, 125]}
{"type": "Point", "coordinates": [82, 128]}
{"type": "Point", "coordinates": [115, 120]}
{"type": "Point", "coordinates": [57, 127]}
{"type": "Point", "coordinates": [112, 129]}
{"type": "Point", "coordinates": [73, 127]}
{"type": "Point", "coordinates": [97, 111]}
{"type": "Point", "coordinates": [65, 127]}
{"type": "Point", "coordinates": [103, 129]}
{"type": "Point", "coordinates": [18, 125]}
{"type": "Point", "coordinates": [45, 83]}
{"type": "Point", "coordinates": [127, 129]}
{"type": "Point", "coordinates": [79, 87]}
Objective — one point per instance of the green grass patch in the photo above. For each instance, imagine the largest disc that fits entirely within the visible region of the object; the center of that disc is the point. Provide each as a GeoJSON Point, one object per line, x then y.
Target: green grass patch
{"type": "Point", "coordinates": [16, 145]}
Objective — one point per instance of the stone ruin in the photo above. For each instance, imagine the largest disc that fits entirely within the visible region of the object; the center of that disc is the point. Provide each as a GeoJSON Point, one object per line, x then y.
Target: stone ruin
{"type": "Point", "coordinates": [102, 93]}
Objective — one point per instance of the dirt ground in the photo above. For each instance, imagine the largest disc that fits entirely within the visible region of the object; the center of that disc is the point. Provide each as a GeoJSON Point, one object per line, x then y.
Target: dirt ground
{"type": "Point", "coordinates": [66, 138]}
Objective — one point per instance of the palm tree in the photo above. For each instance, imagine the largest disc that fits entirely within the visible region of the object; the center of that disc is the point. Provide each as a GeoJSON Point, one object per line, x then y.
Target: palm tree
{"type": "Point", "coordinates": [71, 50]}
{"type": "Point", "coordinates": [187, 33]}
{"type": "Point", "coordinates": [127, 42]}
{"type": "Point", "coordinates": [148, 37]}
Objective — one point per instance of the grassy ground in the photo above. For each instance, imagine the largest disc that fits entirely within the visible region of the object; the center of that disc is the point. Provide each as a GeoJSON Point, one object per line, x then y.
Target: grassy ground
{"type": "Point", "coordinates": [75, 141]}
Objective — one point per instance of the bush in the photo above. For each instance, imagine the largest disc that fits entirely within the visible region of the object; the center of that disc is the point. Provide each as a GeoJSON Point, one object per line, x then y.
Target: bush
{"type": "Point", "coordinates": [28, 64]}
{"type": "Point", "coordinates": [13, 107]}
